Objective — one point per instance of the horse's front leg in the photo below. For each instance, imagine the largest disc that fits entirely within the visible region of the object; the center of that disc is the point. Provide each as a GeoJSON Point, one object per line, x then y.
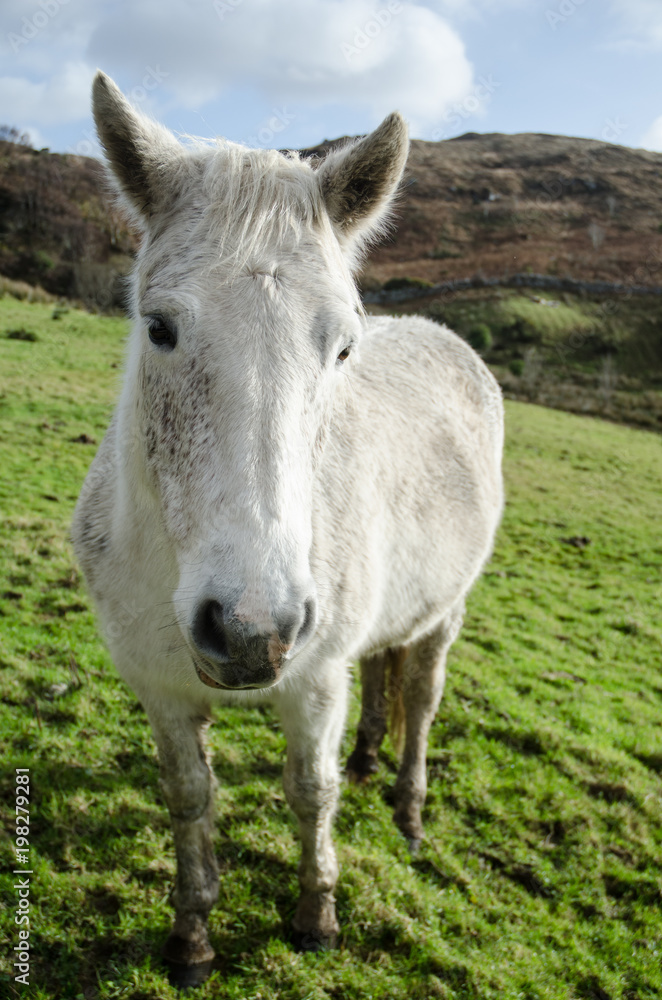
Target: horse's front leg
{"type": "Point", "coordinates": [313, 716]}
{"type": "Point", "coordinates": [187, 784]}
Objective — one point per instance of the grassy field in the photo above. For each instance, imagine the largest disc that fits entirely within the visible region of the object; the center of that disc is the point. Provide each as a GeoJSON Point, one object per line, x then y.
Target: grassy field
{"type": "Point", "coordinates": [542, 873]}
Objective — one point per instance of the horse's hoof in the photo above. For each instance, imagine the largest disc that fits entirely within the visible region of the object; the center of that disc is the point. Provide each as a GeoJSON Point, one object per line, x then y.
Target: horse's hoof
{"type": "Point", "coordinates": [408, 821]}
{"type": "Point", "coordinates": [355, 778]}
{"type": "Point", "coordinates": [188, 961]}
{"type": "Point", "coordinates": [361, 767]}
{"type": "Point", "coordinates": [313, 941]}
{"type": "Point", "coordinates": [187, 951]}
{"type": "Point", "coordinates": [184, 977]}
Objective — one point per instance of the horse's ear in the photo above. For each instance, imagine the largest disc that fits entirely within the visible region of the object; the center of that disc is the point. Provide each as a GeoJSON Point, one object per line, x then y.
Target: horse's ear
{"type": "Point", "coordinates": [358, 182]}
{"type": "Point", "coordinates": [137, 147]}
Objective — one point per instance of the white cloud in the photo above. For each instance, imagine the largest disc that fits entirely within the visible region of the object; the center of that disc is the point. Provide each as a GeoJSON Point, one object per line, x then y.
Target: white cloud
{"type": "Point", "coordinates": [39, 37]}
{"type": "Point", "coordinates": [377, 53]}
{"type": "Point", "coordinates": [652, 137]}
{"type": "Point", "coordinates": [65, 97]}
{"type": "Point", "coordinates": [640, 23]}
{"type": "Point", "coordinates": [476, 8]}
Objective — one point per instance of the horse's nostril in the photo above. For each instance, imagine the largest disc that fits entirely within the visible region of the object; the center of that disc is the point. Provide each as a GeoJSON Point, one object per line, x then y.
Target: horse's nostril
{"type": "Point", "coordinates": [308, 624]}
{"type": "Point", "coordinates": [209, 631]}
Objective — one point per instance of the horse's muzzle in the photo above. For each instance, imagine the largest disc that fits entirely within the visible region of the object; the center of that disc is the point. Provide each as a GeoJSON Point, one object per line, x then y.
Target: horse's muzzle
{"type": "Point", "coordinates": [234, 655]}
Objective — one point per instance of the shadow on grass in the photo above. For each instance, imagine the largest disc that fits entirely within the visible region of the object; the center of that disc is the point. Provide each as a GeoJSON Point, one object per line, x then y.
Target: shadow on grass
{"type": "Point", "coordinates": [68, 971]}
{"type": "Point", "coordinates": [65, 832]}
{"type": "Point", "coordinates": [242, 774]}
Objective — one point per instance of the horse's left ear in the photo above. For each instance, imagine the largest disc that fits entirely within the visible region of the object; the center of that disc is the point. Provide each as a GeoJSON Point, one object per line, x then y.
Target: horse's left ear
{"type": "Point", "coordinates": [359, 181]}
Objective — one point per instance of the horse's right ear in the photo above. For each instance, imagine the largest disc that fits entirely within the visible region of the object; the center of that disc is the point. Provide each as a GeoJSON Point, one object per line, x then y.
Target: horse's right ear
{"type": "Point", "coordinates": [137, 147]}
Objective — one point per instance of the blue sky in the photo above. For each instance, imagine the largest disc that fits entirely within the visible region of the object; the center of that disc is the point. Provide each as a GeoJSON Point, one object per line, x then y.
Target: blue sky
{"type": "Point", "coordinates": [293, 72]}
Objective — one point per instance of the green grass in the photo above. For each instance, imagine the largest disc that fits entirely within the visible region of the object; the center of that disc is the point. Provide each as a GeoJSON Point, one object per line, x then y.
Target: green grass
{"type": "Point", "coordinates": [505, 307]}
{"type": "Point", "coordinates": [539, 318]}
{"type": "Point", "coordinates": [571, 328]}
{"type": "Point", "coordinates": [542, 873]}
{"type": "Point", "coordinates": [553, 319]}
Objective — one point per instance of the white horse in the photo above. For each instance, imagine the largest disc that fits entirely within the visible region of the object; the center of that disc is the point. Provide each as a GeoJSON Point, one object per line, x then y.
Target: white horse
{"type": "Point", "coordinates": [286, 486]}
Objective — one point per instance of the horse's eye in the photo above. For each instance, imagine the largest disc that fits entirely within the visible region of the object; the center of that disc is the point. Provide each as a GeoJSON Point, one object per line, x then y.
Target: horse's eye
{"type": "Point", "coordinates": [161, 333]}
{"type": "Point", "coordinates": [344, 354]}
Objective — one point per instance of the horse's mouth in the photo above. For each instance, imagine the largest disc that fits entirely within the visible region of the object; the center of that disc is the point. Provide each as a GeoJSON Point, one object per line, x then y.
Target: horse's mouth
{"type": "Point", "coordinates": [206, 679]}
{"type": "Point", "coordinates": [214, 683]}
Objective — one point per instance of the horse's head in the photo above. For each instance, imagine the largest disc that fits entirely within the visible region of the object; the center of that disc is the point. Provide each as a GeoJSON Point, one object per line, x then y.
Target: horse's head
{"type": "Point", "coordinates": [247, 321]}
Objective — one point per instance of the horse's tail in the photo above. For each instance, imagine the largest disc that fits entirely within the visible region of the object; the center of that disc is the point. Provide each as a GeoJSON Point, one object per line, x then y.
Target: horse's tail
{"type": "Point", "coordinates": [395, 661]}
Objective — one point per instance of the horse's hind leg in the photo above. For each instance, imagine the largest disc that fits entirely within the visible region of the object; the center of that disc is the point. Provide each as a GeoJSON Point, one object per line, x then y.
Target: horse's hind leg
{"type": "Point", "coordinates": [187, 784]}
{"type": "Point", "coordinates": [372, 725]}
{"type": "Point", "coordinates": [378, 673]}
{"type": "Point", "coordinates": [422, 687]}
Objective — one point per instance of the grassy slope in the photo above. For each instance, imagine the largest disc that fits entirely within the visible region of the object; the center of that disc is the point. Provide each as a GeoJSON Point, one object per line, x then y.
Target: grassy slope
{"type": "Point", "coordinates": [542, 873]}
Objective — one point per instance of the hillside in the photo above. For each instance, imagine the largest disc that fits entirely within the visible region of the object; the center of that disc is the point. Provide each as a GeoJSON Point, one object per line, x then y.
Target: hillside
{"type": "Point", "coordinates": [492, 205]}
{"type": "Point", "coordinates": [575, 224]}
{"type": "Point", "coordinates": [58, 228]}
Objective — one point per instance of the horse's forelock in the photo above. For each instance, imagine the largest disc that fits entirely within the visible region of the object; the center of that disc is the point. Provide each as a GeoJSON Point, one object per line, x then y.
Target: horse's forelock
{"type": "Point", "coordinates": [254, 200]}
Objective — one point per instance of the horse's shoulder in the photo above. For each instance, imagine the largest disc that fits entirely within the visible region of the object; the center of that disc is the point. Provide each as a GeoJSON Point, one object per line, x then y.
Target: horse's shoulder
{"type": "Point", "coordinates": [412, 352]}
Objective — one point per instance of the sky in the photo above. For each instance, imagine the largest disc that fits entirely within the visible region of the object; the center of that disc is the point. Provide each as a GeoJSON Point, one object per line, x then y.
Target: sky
{"type": "Point", "coordinates": [290, 73]}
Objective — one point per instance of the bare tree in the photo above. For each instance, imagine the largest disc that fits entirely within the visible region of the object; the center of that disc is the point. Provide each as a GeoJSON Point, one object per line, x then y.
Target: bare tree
{"type": "Point", "coordinates": [11, 134]}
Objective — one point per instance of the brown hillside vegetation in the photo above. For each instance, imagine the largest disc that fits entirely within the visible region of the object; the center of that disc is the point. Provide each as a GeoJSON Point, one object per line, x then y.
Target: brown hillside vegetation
{"type": "Point", "coordinates": [58, 228]}
{"type": "Point", "coordinates": [499, 204]}
{"type": "Point", "coordinates": [503, 204]}
{"type": "Point", "coordinates": [479, 204]}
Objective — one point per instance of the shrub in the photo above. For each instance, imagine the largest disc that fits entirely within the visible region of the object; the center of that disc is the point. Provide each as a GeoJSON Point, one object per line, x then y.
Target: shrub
{"type": "Point", "coordinates": [480, 337]}
{"type": "Point", "coordinates": [367, 283]}
{"type": "Point", "coordinates": [22, 334]}
{"type": "Point", "coordinates": [516, 367]}
{"type": "Point", "coordinates": [23, 292]}
{"type": "Point", "coordinates": [42, 261]}
{"type": "Point", "coordinates": [396, 284]}
{"type": "Point", "coordinates": [519, 332]}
